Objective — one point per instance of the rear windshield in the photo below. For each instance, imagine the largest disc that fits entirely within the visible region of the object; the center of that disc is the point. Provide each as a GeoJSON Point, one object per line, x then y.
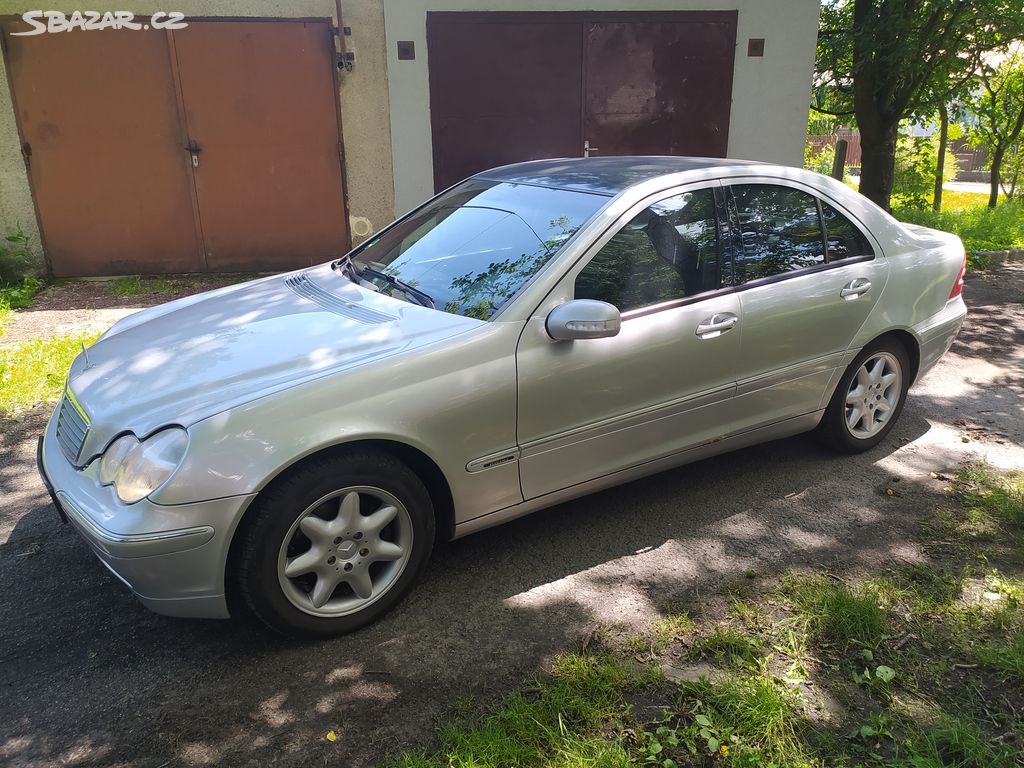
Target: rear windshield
{"type": "Point", "coordinates": [473, 247]}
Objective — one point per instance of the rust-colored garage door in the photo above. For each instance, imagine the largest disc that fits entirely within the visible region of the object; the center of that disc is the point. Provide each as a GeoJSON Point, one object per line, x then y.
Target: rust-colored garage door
{"type": "Point", "coordinates": [215, 147]}
{"type": "Point", "coordinates": [506, 87]}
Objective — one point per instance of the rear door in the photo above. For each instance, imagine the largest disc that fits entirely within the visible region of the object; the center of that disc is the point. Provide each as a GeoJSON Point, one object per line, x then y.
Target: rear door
{"type": "Point", "coordinates": [802, 301]}
{"type": "Point", "coordinates": [589, 408]}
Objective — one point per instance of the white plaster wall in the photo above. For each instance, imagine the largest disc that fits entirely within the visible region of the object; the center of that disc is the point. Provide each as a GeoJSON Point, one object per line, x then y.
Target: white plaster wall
{"type": "Point", "coordinates": [363, 95]}
{"type": "Point", "coordinates": [770, 94]}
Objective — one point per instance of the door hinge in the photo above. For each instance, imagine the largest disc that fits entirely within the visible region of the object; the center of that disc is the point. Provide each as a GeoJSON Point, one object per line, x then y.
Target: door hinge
{"type": "Point", "coordinates": [26, 152]}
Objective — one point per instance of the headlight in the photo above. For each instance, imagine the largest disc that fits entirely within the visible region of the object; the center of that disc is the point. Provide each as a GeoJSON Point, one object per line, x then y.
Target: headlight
{"type": "Point", "coordinates": [136, 469]}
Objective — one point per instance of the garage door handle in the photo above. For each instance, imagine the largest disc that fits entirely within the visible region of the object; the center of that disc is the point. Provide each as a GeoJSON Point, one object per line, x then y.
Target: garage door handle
{"type": "Point", "coordinates": [716, 325]}
{"type": "Point", "coordinates": [856, 289]}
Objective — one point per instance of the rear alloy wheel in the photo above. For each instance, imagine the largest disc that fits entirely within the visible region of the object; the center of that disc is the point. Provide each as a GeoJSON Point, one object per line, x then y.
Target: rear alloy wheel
{"type": "Point", "coordinates": [873, 395]}
{"type": "Point", "coordinates": [869, 398]}
{"type": "Point", "coordinates": [335, 544]}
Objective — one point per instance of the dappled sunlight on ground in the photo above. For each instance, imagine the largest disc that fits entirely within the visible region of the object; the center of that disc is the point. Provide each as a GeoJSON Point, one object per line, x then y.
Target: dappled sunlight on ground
{"type": "Point", "coordinates": [89, 676]}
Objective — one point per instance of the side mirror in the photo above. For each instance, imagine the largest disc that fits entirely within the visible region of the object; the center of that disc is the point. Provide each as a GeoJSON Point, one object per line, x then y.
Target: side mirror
{"type": "Point", "coordinates": [583, 319]}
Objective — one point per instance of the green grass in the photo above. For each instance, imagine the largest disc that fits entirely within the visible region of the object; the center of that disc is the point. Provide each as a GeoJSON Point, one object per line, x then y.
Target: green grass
{"type": "Point", "coordinates": [981, 228]}
{"type": "Point", "coordinates": [729, 646]}
{"type": "Point", "coordinates": [671, 627]}
{"type": "Point", "coordinates": [994, 496]}
{"type": "Point", "coordinates": [17, 297]}
{"type": "Point", "coordinates": [1005, 656]}
{"type": "Point", "coordinates": [562, 725]}
{"type": "Point", "coordinates": [34, 372]}
{"type": "Point", "coordinates": [138, 286]}
{"type": "Point", "coordinates": [837, 613]}
{"type": "Point", "coordinates": [957, 743]}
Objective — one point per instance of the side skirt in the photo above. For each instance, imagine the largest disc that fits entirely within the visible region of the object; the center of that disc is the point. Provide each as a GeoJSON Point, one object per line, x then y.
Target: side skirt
{"type": "Point", "coordinates": [776, 431]}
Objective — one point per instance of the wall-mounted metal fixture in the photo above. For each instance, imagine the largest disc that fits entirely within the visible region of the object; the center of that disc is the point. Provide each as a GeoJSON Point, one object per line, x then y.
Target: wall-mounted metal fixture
{"type": "Point", "coordinates": [406, 50]}
{"type": "Point", "coordinates": [755, 46]}
{"type": "Point", "coordinates": [346, 60]}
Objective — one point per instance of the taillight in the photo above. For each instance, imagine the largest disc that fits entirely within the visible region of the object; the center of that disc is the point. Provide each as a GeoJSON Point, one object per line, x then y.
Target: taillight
{"type": "Point", "coordinates": [958, 286]}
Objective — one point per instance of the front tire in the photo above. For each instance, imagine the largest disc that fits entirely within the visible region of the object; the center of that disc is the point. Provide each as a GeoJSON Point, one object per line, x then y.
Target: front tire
{"type": "Point", "coordinates": [869, 398]}
{"type": "Point", "coordinates": [335, 544]}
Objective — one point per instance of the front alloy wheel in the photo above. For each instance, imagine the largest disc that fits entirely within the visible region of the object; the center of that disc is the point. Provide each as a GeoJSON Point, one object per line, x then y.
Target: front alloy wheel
{"type": "Point", "coordinates": [345, 551]}
{"type": "Point", "coordinates": [334, 544]}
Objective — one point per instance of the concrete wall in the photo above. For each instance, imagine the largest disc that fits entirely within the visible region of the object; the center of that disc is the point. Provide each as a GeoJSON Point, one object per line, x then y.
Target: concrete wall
{"type": "Point", "coordinates": [365, 123]}
{"type": "Point", "coordinates": [769, 97]}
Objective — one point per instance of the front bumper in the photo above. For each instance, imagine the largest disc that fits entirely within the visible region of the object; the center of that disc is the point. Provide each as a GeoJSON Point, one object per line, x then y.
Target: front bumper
{"type": "Point", "coordinates": [171, 557]}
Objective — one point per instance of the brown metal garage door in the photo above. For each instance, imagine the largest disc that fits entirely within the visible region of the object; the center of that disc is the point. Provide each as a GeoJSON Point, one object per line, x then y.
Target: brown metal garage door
{"type": "Point", "coordinates": [507, 87]}
{"type": "Point", "coordinates": [216, 147]}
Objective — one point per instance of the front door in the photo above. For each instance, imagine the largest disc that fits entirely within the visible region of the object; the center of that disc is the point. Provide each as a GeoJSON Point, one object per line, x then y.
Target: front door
{"type": "Point", "coordinates": [592, 407]}
{"type": "Point", "coordinates": [802, 302]}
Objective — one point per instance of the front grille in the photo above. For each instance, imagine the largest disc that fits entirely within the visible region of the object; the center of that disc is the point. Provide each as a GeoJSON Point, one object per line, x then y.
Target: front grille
{"type": "Point", "coordinates": [72, 427]}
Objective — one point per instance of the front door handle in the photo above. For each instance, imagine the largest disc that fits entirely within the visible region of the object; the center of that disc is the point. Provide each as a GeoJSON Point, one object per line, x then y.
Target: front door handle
{"type": "Point", "coordinates": [716, 325]}
{"type": "Point", "coordinates": [855, 289]}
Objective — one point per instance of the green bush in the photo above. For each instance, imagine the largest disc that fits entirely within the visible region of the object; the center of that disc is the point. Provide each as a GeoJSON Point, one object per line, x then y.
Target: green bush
{"type": "Point", "coordinates": [16, 262]}
{"type": "Point", "coordinates": [914, 172]}
{"type": "Point", "coordinates": [981, 228]}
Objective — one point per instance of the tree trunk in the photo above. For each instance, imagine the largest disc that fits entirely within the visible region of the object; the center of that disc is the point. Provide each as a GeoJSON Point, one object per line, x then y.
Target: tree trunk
{"type": "Point", "coordinates": [878, 157]}
{"type": "Point", "coordinates": [997, 162]}
{"type": "Point", "coordinates": [941, 165]}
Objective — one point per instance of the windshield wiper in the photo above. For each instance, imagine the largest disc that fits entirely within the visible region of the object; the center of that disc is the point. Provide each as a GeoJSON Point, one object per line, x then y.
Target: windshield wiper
{"type": "Point", "coordinates": [346, 266]}
{"type": "Point", "coordinates": [422, 298]}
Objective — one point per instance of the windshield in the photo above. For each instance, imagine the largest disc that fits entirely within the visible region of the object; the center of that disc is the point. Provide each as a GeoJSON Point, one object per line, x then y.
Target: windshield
{"type": "Point", "coordinates": [474, 247]}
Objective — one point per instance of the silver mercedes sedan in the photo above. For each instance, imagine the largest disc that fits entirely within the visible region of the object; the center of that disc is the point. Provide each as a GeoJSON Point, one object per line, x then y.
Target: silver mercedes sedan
{"type": "Point", "coordinates": [294, 446]}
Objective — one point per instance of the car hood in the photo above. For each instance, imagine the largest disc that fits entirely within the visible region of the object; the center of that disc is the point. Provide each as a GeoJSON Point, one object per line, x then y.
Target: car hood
{"type": "Point", "coordinates": [191, 358]}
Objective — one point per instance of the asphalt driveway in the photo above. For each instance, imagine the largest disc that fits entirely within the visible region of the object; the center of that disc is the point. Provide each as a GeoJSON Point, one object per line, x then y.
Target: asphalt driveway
{"type": "Point", "coordinates": [88, 677]}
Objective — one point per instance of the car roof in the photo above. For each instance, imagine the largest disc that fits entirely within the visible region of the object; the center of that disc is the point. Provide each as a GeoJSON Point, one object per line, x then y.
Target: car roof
{"type": "Point", "coordinates": [604, 175]}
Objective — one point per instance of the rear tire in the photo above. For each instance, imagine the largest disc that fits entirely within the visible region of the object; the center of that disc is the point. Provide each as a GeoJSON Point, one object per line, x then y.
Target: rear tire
{"type": "Point", "coordinates": [334, 545]}
{"type": "Point", "coordinates": [869, 398]}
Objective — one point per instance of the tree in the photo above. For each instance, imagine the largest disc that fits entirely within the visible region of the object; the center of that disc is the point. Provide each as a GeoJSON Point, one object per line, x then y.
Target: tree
{"type": "Point", "coordinates": [999, 106]}
{"type": "Point", "coordinates": [886, 60]}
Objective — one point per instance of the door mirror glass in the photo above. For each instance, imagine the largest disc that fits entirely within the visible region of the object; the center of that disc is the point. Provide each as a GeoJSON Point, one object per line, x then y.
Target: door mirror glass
{"type": "Point", "coordinates": [583, 319]}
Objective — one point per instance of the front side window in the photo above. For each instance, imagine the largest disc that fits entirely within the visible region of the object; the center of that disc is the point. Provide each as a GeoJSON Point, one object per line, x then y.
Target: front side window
{"type": "Point", "coordinates": [669, 251]}
{"type": "Point", "coordinates": [472, 248]}
{"type": "Point", "coordinates": [845, 241]}
{"type": "Point", "coordinates": [780, 231]}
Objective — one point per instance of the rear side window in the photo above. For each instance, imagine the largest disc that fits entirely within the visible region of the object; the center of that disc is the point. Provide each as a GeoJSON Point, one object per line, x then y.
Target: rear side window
{"type": "Point", "coordinates": [780, 229]}
{"type": "Point", "coordinates": [845, 241]}
{"type": "Point", "coordinates": [669, 251]}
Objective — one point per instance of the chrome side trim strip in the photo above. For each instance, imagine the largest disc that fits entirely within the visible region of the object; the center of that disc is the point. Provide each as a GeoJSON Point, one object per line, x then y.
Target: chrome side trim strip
{"type": "Point", "coordinates": [493, 460]}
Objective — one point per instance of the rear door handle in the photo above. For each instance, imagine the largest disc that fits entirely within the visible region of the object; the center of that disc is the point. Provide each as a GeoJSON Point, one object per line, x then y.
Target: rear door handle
{"type": "Point", "coordinates": [855, 289]}
{"type": "Point", "coordinates": [716, 325]}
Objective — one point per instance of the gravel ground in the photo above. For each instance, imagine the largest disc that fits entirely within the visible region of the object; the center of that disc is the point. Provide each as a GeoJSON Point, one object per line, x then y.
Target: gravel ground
{"type": "Point", "coordinates": [88, 677]}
